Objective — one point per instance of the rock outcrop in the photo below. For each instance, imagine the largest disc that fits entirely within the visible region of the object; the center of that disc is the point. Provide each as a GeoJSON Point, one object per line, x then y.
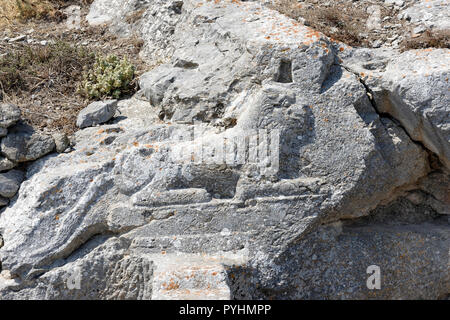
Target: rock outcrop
{"type": "Point", "coordinates": [19, 144]}
{"type": "Point", "coordinates": [260, 160]}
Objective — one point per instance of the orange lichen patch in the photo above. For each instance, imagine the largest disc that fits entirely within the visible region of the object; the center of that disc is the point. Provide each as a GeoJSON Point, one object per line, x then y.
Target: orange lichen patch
{"type": "Point", "coordinates": [136, 144]}
{"type": "Point", "coordinates": [341, 49]}
{"type": "Point", "coordinates": [214, 273]}
{"type": "Point", "coordinates": [100, 131]}
{"type": "Point", "coordinates": [163, 252]}
{"type": "Point", "coordinates": [57, 217]}
{"type": "Point", "coordinates": [172, 285]}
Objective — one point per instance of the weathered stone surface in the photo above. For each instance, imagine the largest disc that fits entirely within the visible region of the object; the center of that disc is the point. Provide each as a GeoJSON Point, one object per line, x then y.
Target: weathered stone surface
{"type": "Point", "coordinates": [414, 91]}
{"type": "Point", "coordinates": [6, 164]}
{"type": "Point", "coordinates": [24, 144]}
{"type": "Point", "coordinates": [61, 142]}
{"type": "Point", "coordinates": [3, 132]}
{"type": "Point", "coordinates": [96, 113]}
{"type": "Point", "coordinates": [10, 183]}
{"type": "Point", "coordinates": [332, 262]}
{"type": "Point", "coordinates": [432, 14]}
{"type": "Point", "coordinates": [9, 115]}
{"type": "Point", "coordinates": [99, 270]}
{"type": "Point", "coordinates": [73, 20]}
{"type": "Point", "coordinates": [156, 25]}
{"type": "Point", "coordinates": [233, 69]}
{"type": "Point", "coordinates": [3, 202]}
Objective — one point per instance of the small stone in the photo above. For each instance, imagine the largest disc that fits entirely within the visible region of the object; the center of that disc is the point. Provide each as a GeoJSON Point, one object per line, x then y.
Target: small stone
{"type": "Point", "coordinates": [18, 38]}
{"type": "Point", "coordinates": [61, 141]}
{"type": "Point", "coordinates": [419, 29]}
{"type": "Point", "coordinates": [6, 164]}
{"type": "Point", "coordinates": [73, 20]}
{"type": "Point", "coordinates": [96, 113]}
{"type": "Point", "coordinates": [9, 115]}
{"type": "Point", "coordinates": [10, 183]}
{"type": "Point", "coordinates": [377, 44]}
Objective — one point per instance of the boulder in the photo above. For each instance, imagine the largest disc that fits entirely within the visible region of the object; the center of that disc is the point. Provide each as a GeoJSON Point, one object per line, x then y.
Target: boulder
{"type": "Point", "coordinates": [406, 90]}
{"type": "Point", "coordinates": [96, 113]}
{"type": "Point", "coordinates": [10, 183]}
{"type": "Point", "coordinates": [24, 144]}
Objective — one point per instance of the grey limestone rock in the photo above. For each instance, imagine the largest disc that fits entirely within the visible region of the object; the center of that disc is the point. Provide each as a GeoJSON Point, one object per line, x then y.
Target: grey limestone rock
{"type": "Point", "coordinates": [24, 144]}
{"type": "Point", "coordinates": [96, 113]}
{"type": "Point", "coordinates": [162, 203]}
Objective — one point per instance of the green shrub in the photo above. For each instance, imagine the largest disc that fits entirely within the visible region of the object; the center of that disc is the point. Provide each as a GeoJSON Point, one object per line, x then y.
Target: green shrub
{"type": "Point", "coordinates": [109, 77]}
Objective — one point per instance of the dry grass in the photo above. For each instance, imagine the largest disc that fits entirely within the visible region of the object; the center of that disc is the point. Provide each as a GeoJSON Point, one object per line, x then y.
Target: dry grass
{"type": "Point", "coordinates": [43, 80]}
{"type": "Point", "coordinates": [23, 10]}
{"type": "Point", "coordinates": [434, 39]}
{"type": "Point", "coordinates": [12, 11]}
{"type": "Point", "coordinates": [32, 67]}
{"type": "Point", "coordinates": [334, 22]}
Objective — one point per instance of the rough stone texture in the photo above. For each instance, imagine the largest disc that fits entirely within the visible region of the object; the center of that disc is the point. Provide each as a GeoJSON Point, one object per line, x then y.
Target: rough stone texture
{"type": "Point", "coordinates": [3, 132]}
{"type": "Point", "coordinates": [415, 92]}
{"type": "Point", "coordinates": [100, 270]}
{"type": "Point", "coordinates": [96, 113]}
{"type": "Point", "coordinates": [10, 182]}
{"type": "Point", "coordinates": [24, 144]}
{"type": "Point", "coordinates": [190, 277]}
{"type": "Point", "coordinates": [61, 142]}
{"type": "Point", "coordinates": [3, 202]}
{"type": "Point", "coordinates": [6, 164]}
{"type": "Point", "coordinates": [132, 196]}
{"type": "Point", "coordinates": [156, 24]}
{"type": "Point", "coordinates": [9, 115]}
{"type": "Point", "coordinates": [432, 14]}
{"type": "Point", "coordinates": [412, 88]}
{"type": "Point", "coordinates": [73, 20]}
{"type": "Point", "coordinates": [331, 263]}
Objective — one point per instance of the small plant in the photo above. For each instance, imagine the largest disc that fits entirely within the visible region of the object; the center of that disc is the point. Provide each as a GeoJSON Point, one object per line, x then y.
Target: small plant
{"type": "Point", "coordinates": [109, 76]}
